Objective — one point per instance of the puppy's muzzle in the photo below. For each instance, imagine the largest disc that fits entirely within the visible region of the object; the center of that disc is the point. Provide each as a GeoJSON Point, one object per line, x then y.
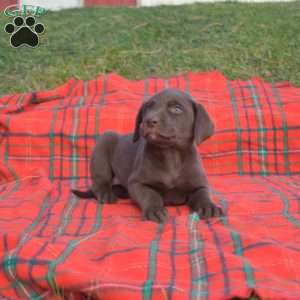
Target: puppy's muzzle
{"type": "Point", "coordinates": [155, 133]}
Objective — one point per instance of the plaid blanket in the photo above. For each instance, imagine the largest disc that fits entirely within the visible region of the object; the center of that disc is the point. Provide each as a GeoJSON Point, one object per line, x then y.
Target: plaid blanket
{"type": "Point", "coordinates": [56, 246]}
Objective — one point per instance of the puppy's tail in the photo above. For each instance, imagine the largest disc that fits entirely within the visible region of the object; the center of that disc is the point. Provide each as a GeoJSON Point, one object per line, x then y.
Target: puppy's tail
{"type": "Point", "coordinates": [85, 194]}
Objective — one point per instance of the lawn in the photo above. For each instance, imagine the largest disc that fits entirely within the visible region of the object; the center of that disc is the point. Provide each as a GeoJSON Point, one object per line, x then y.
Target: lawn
{"type": "Point", "coordinates": [239, 39]}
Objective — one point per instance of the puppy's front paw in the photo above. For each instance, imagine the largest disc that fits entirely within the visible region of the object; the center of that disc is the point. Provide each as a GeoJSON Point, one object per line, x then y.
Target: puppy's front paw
{"type": "Point", "coordinates": [209, 210]}
{"type": "Point", "coordinates": [105, 196]}
{"type": "Point", "coordinates": [156, 214]}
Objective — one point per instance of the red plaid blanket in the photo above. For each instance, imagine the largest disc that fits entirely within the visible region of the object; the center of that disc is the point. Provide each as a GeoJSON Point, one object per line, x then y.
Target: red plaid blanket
{"type": "Point", "coordinates": [56, 246]}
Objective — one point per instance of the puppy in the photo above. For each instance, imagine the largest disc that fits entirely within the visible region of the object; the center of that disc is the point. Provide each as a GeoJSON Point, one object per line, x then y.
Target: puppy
{"type": "Point", "coordinates": [158, 164]}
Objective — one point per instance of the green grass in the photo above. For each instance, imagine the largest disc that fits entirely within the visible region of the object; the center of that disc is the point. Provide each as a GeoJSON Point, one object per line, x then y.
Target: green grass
{"type": "Point", "coordinates": [239, 39]}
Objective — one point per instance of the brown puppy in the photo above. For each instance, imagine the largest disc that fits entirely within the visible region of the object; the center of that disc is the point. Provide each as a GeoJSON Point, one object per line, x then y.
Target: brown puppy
{"type": "Point", "coordinates": [159, 164]}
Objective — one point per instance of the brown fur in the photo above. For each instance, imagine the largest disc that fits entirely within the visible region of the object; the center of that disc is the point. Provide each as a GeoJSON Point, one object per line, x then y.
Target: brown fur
{"type": "Point", "coordinates": [159, 163]}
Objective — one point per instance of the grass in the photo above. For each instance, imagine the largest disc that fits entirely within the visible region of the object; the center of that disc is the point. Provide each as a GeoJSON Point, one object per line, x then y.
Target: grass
{"type": "Point", "coordinates": [239, 39]}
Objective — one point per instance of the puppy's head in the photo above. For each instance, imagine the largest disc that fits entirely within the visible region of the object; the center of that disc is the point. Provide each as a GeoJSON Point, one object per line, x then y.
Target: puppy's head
{"type": "Point", "coordinates": [171, 118]}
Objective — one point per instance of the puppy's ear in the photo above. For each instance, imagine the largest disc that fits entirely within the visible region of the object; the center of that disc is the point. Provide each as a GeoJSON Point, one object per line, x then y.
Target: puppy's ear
{"type": "Point", "coordinates": [138, 121]}
{"type": "Point", "coordinates": [203, 125]}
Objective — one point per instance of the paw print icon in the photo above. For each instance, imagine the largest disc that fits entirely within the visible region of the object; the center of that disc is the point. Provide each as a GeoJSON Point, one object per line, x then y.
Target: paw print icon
{"type": "Point", "coordinates": [24, 32]}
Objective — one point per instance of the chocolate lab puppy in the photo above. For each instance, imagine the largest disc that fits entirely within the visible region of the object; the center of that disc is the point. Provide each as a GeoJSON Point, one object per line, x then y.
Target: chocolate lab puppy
{"type": "Point", "coordinates": [158, 164]}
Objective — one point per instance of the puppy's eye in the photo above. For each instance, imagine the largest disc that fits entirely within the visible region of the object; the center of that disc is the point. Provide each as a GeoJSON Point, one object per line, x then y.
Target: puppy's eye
{"type": "Point", "coordinates": [176, 109]}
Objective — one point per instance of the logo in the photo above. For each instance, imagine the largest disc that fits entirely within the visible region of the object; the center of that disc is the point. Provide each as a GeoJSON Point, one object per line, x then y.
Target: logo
{"type": "Point", "coordinates": [24, 30]}
{"type": "Point", "coordinates": [24, 10]}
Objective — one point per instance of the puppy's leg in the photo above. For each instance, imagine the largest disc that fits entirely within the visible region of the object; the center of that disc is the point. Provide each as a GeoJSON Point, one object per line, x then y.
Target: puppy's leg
{"type": "Point", "coordinates": [150, 202]}
{"type": "Point", "coordinates": [101, 169]}
{"type": "Point", "coordinates": [199, 201]}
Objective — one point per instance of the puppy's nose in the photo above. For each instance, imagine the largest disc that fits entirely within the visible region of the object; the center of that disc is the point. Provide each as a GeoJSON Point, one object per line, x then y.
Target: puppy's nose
{"type": "Point", "coordinates": [151, 122]}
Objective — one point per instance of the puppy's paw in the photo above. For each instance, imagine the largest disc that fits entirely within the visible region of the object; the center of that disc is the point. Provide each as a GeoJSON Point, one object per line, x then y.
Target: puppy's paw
{"type": "Point", "coordinates": [106, 196]}
{"type": "Point", "coordinates": [156, 214]}
{"type": "Point", "coordinates": [209, 210]}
